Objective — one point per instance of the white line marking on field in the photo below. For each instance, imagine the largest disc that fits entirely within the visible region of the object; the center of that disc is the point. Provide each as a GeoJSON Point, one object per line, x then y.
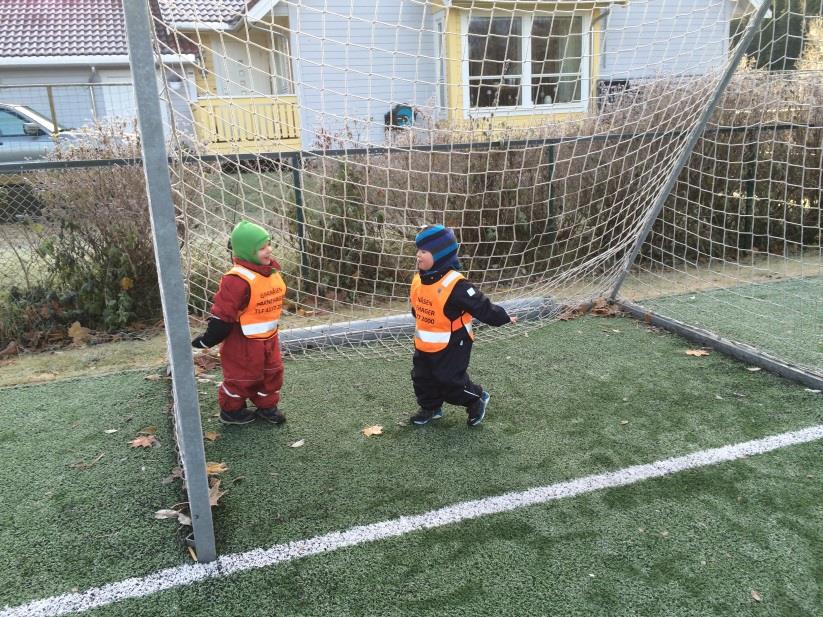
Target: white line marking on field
{"type": "Point", "coordinates": [259, 558]}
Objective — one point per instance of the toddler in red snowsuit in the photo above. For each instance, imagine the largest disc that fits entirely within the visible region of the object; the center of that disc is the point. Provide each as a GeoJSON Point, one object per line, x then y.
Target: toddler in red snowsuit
{"type": "Point", "coordinates": [244, 320]}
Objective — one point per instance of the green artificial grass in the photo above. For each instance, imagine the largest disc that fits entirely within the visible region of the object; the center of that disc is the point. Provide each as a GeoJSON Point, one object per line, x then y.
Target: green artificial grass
{"type": "Point", "coordinates": [571, 399]}
{"type": "Point", "coordinates": [783, 318]}
{"type": "Point", "coordinates": [63, 527]}
{"type": "Point", "coordinates": [695, 544]}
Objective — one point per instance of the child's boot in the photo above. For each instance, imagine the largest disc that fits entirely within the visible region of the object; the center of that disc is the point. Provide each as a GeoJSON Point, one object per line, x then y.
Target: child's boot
{"type": "Point", "coordinates": [424, 416]}
{"type": "Point", "coordinates": [271, 414]}
{"type": "Point", "coordinates": [477, 410]}
{"type": "Point", "coordinates": [241, 416]}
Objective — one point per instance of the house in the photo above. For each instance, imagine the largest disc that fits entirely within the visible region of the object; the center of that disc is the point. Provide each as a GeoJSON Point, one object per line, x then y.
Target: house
{"type": "Point", "coordinates": [655, 38]}
{"type": "Point", "coordinates": [251, 76]}
{"type": "Point", "coordinates": [280, 76]}
{"type": "Point", "coordinates": [68, 60]}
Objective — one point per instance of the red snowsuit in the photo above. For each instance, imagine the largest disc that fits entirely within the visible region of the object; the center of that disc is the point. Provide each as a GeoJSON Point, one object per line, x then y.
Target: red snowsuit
{"type": "Point", "coordinates": [252, 369]}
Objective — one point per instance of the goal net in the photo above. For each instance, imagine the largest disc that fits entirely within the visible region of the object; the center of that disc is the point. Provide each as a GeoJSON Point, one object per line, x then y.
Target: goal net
{"type": "Point", "coordinates": [546, 134]}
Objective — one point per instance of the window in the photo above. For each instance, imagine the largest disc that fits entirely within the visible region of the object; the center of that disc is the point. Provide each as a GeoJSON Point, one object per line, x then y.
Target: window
{"type": "Point", "coordinates": [258, 67]}
{"type": "Point", "coordinates": [11, 125]}
{"type": "Point", "coordinates": [527, 62]}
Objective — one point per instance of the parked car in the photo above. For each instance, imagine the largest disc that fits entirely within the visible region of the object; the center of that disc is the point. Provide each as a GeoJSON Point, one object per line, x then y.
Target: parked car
{"type": "Point", "coordinates": [27, 135]}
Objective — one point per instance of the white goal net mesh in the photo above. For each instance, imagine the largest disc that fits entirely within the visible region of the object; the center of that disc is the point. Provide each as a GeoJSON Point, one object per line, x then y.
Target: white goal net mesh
{"type": "Point", "coordinates": [542, 132]}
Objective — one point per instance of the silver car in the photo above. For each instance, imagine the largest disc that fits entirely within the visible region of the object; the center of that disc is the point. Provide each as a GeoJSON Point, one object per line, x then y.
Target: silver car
{"type": "Point", "coordinates": [26, 135]}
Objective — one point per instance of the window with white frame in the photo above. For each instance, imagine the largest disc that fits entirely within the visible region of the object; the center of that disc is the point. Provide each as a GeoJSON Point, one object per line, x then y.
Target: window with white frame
{"type": "Point", "coordinates": [527, 62]}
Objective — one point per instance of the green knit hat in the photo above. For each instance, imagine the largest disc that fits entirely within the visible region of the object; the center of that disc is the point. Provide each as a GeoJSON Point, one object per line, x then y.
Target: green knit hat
{"type": "Point", "coordinates": [246, 239]}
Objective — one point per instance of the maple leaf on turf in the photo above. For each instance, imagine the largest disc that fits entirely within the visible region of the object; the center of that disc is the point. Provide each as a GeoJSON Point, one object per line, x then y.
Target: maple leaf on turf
{"type": "Point", "coordinates": [214, 492]}
{"type": "Point", "coordinates": [213, 469]}
{"type": "Point", "coordinates": [697, 352]}
{"type": "Point", "coordinates": [372, 430]}
{"type": "Point", "coordinates": [144, 441]}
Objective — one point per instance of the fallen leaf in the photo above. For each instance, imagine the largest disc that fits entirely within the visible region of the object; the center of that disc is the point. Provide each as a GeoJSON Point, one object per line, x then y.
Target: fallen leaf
{"type": "Point", "coordinates": [756, 596]}
{"type": "Point", "coordinates": [664, 534]}
{"type": "Point", "coordinates": [110, 431]}
{"type": "Point", "coordinates": [214, 469]}
{"type": "Point", "coordinates": [624, 422]}
{"type": "Point", "coordinates": [126, 283]}
{"type": "Point", "coordinates": [298, 444]}
{"type": "Point", "coordinates": [212, 435]}
{"type": "Point", "coordinates": [146, 441]}
{"type": "Point", "coordinates": [812, 391]}
{"type": "Point", "coordinates": [238, 479]}
{"type": "Point", "coordinates": [10, 350]}
{"type": "Point", "coordinates": [152, 378]}
{"type": "Point", "coordinates": [214, 492]}
{"type": "Point", "coordinates": [176, 474]}
{"type": "Point", "coordinates": [85, 465]}
{"type": "Point", "coordinates": [79, 334]}
{"type": "Point", "coordinates": [372, 430]}
{"type": "Point", "coordinates": [149, 430]}
{"type": "Point", "coordinates": [192, 553]}
{"type": "Point", "coordinates": [165, 514]}
{"type": "Point", "coordinates": [753, 369]}
{"type": "Point", "coordinates": [205, 361]}
{"type": "Point", "coordinates": [697, 352]}
{"type": "Point", "coordinates": [184, 519]}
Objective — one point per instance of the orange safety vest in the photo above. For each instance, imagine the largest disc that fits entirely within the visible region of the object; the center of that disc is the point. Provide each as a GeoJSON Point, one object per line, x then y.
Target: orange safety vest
{"type": "Point", "coordinates": [260, 318]}
{"type": "Point", "coordinates": [433, 329]}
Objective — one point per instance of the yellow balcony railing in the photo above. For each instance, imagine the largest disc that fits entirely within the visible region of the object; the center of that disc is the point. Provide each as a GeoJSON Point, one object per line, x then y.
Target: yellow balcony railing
{"type": "Point", "coordinates": [247, 123]}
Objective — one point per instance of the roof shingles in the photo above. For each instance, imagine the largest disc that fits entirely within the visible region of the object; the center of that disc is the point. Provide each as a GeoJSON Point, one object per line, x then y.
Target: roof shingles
{"type": "Point", "coordinates": [47, 28]}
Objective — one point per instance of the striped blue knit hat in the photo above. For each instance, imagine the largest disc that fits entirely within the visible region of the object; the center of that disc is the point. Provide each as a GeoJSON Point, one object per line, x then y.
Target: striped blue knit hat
{"type": "Point", "coordinates": [441, 243]}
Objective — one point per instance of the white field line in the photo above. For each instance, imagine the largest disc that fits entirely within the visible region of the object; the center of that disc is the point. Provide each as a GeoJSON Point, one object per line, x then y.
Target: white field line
{"type": "Point", "coordinates": [180, 576]}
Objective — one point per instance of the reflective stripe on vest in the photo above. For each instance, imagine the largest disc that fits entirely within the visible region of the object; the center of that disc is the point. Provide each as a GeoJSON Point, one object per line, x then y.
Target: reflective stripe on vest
{"type": "Point", "coordinates": [260, 319]}
{"type": "Point", "coordinates": [433, 329]}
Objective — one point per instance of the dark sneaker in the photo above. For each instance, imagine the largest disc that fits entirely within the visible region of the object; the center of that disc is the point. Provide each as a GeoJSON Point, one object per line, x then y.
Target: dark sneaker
{"type": "Point", "coordinates": [243, 416]}
{"type": "Point", "coordinates": [424, 416]}
{"type": "Point", "coordinates": [272, 414]}
{"type": "Point", "coordinates": [477, 410]}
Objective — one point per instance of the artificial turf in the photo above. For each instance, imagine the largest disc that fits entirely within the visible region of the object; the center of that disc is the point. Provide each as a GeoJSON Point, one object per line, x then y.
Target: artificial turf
{"type": "Point", "coordinates": [574, 398]}
{"type": "Point", "coordinates": [743, 538]}
{"type": "Point", "coordinates": [782, 318]}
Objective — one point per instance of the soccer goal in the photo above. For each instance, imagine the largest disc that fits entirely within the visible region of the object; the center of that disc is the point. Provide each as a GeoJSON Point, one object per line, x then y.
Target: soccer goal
{"type": "Point", "coordinates": [659, 157]}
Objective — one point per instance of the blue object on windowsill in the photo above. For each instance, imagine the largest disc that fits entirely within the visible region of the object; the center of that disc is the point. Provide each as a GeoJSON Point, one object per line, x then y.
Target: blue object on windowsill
{"type": "Point", "coordinates": [402, 116]}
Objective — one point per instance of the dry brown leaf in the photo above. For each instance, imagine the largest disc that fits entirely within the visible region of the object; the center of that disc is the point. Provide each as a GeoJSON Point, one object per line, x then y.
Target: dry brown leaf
{"type": "Point", "coordinates": [213, 469]}
{"type": "Point", "coordinates": [214, 492]}
{"type": "Point", "coordinates": [753, 369]}
{"type": "Point", "coordinates": [756, 596]}
{"type": "Point", "coordinates": [110, 431]}
{"type": "Point", "coordinates": [212, 435]}
{"type": "Point", "coordinates": [152, 378]}
{"type": "Point", "coordinates": [184, 519]}
{"type": "Point", "coordinates": [79, 334]}
{"type": "Point", "coordinates": [166, 514]}
{"type": "Point", "coordinates": [697, 352]}
{"type": "Point", "coordinates": [176, 474]}
{"type": "Point", "coordinates": [298, 444]}
{"type": "Point", "coordinates": [205, 362]}
{"type": "Point", "coordinates": [372, 430]}
{"type": "Point", "coordinates": [85, 465]}
{"type": "Point", "coordinates": [10, 350]}
{"type": "Point", "coordinates": [624, 422]}
{"type": "Point", "coordinates": [145, 441]}
{"type": "Point", "coordinates": [149, 430]}
{"type": "Point", "coordinates": [192, 553]}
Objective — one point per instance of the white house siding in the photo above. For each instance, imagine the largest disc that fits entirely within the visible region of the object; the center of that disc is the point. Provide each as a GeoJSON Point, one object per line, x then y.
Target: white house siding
{"type": "Point", "coordinates": [354, 60]}
{"type": "Point", "coordinates": [82, 97]}
{"type": "Point", "coordinates": [73, 104]}
{"type": "Point", "coordinates": [650, 38]}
